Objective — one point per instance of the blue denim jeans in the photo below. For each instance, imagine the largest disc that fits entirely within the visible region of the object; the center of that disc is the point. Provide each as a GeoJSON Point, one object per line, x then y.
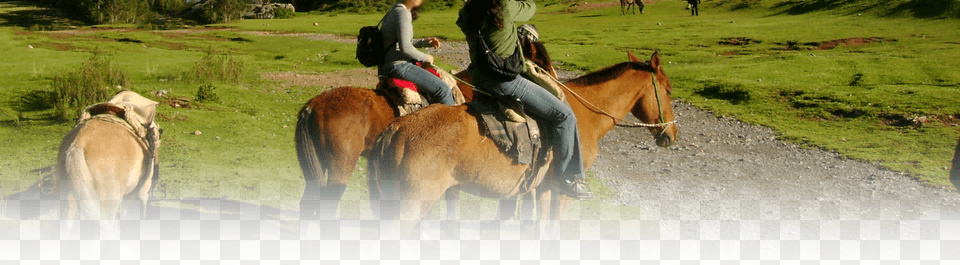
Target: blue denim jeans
{"type": "Point", "coordinates": [557, 120]}
{"type": "Point", "coordinates": [428, 84]}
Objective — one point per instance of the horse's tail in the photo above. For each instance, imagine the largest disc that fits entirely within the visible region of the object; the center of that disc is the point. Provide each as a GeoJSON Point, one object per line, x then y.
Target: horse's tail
{"type": "Point", "coordinates": [77, 175]}
{"type": "Point", "coordinates": [376, 170]}
{"type": "Point", "coordinates": [308, 145]}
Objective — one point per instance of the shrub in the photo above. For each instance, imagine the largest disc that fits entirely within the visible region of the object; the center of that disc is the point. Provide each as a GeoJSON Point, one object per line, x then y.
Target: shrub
{"type": "Point", "coordinates": [206, 93]}
{"type": "Point", "coordinates": [281, 13]}
{"type": "Point", "coordinates": [170, 7]}
{"type": "Point", "coordinates": [219, 67]}
{"type": "Point", "coordinates": [223, 11]}
{"type": "Point", "coordinates": [113, 11]}
{"type": "Point", "coordinates": [92, 83]}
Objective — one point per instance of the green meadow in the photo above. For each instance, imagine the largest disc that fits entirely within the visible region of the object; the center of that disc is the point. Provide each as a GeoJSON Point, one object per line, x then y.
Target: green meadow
{"type": "Point", "coordinates": [872, 82]}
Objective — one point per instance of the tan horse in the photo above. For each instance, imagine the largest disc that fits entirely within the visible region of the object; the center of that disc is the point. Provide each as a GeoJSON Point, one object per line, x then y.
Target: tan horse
{"type": "Point", "coordinates": [419, 156]}
{"type": "Point", "coordinates": [337, 127]}
{"type": "Point", "coordinates": [109, 157]}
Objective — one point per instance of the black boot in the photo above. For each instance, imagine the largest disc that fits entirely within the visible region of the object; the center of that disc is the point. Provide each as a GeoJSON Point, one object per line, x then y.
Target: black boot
{"type": "Point", "coordinates": [576, 188]}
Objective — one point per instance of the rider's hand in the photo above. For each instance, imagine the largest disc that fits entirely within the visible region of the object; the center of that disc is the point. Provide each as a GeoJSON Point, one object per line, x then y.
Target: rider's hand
{"type": "Point", "coordinates": [429, 59]}
{"type": "Point", "coordinates": [434, 42]}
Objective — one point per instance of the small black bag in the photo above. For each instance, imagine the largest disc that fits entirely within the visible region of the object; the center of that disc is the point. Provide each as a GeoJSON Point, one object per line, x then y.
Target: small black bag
{"type": "Point", "coordinates": [496, 67]}
{"type": "Point", "coordinates": [370, 46]}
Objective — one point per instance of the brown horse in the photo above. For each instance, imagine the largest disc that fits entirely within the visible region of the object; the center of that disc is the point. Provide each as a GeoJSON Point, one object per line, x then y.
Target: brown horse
{"type": "Point", "coordinates": [109, 157]}
{"type": "Point", "coordinates": [337, 127]}
{"type": "Point", "coordinates": [419, 156]}
{"type": "Point", "coordinates": [628, 4]}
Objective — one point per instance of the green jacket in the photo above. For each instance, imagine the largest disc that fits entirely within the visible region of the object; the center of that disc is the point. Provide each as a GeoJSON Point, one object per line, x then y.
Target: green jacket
{"type": "Point", "coordinates": [502, 41]}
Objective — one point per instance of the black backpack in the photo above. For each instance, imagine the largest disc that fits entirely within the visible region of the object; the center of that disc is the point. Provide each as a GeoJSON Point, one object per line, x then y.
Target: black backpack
{"type": "Point", "coordinates": [370, 46]}
{"type": "Point", "coordinates": [370, 49]}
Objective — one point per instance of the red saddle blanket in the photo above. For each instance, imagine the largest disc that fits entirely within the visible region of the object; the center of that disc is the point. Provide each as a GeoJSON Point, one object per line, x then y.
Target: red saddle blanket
{"type": "Point", "coordinates": [400, 83]}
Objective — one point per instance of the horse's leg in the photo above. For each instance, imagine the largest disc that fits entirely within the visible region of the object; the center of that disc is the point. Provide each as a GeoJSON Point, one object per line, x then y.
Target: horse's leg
{"type": "Point", "coordinates": [109, 211]}
{"type": "Point", "coordinates": [561, 203]}
{"type": "Point", "coordinates": [507, 209]}
{"type": "Point", "coordinates": [527, 206]}
{"type": "Point", "coordinates": [340, 172]}
{"type": "Point", "coordinates": [452, 199]}
{"type": "Point", "coordinates": [414, 201]}
{"type": "Point", "coordinates": [308, 201]}
{"type": "Point", "coordinates": [543, 214]}
{"type": "Point", "coordinates": [338, 177]}
{"type": "Point", "coordinates": [144, 193]}
{"type": "Point", "coordinates": [68, 210]}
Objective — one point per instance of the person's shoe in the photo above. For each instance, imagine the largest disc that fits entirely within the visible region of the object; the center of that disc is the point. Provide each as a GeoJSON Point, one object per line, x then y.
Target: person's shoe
{"type": "Point", "coordinates": [576, 189]}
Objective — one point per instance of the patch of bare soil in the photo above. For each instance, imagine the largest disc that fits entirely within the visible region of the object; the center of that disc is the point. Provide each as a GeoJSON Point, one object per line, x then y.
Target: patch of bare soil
{"type": "Point", "coordinates": [831, 44]}
{"type": "Point", "coordinates": [737, 41]}
{"type": "Point", "coordinates": [361, 77]}
{"type": "Point", "coordinates": [827, 45]}
{"type": "Point", "coordinates": [585, 6]}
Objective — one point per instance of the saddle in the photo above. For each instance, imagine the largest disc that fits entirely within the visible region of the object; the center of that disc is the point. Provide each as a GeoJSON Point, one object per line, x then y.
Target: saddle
{"type": "Point", "coordinates": [403, 95]}
{"type": "Point", "coordinates": [404, 100]}
{"type": "Point", "coordinates": [519, 140]}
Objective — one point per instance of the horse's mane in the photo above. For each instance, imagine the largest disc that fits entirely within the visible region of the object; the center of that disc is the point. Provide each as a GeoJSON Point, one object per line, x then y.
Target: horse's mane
{"type": "Point", "coordinates": [610, 73]}
{"type": "Point", "coordinates": [541, 51]}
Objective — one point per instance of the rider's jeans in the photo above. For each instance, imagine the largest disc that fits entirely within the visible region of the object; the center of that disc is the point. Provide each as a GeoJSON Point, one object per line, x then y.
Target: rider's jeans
{"type": "Point", "coordinates": [557, 116]}
{"type": "Point", "coordinates": [428, 84]}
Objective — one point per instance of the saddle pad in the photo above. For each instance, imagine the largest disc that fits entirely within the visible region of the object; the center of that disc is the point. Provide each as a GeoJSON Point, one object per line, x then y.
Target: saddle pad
{"type": "Point", "coordinates": [407, 84]}
{"type": "Point", "coordinates": [518, 140]}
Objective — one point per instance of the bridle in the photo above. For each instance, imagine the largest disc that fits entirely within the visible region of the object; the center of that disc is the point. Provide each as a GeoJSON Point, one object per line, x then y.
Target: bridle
{"type": "Point", "coordinates": [620, 122]}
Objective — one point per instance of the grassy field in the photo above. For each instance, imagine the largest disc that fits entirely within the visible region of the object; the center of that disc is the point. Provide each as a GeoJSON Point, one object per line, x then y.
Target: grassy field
{"type": "Point", "coordinates": [874, 85]}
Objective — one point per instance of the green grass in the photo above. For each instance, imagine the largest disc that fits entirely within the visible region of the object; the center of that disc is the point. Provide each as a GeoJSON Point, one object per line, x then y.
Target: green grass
{"type": "Point", "coordinates": [857, 100]}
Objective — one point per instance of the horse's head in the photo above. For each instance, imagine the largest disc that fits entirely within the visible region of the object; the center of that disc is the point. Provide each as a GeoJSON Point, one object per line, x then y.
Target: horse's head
{"type": "Point", "coordinates": [654, 105]}
{"type": "Point", "coordinates": [533, 49]}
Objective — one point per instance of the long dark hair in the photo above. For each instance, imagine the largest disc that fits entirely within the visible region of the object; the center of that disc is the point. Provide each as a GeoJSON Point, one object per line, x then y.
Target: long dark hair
{"type": "Point", "coordinates": [492, 9]}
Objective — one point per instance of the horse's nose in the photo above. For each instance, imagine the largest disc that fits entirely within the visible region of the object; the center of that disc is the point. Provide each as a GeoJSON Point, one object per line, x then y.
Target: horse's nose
{"type": "Point", "coordinates": [667, 138]}
{"type": "Point", "coordinates": [664, 141]}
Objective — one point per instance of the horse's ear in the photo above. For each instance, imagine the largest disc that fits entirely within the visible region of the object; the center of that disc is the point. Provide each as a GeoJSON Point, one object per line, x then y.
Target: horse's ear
{"type": "Point", "coordinates": [632, 58]}
{"type": "Point", "coordinates": [655, 60]}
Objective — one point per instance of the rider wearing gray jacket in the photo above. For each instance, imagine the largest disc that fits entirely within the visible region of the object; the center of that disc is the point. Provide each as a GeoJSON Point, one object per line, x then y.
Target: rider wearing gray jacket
{"type": "Point", "coordinates": [402, 54]}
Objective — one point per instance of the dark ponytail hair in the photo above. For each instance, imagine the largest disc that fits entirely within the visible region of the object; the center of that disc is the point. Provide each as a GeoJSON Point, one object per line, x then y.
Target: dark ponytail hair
{"type": "Point", "coordinates": [491, 9]}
